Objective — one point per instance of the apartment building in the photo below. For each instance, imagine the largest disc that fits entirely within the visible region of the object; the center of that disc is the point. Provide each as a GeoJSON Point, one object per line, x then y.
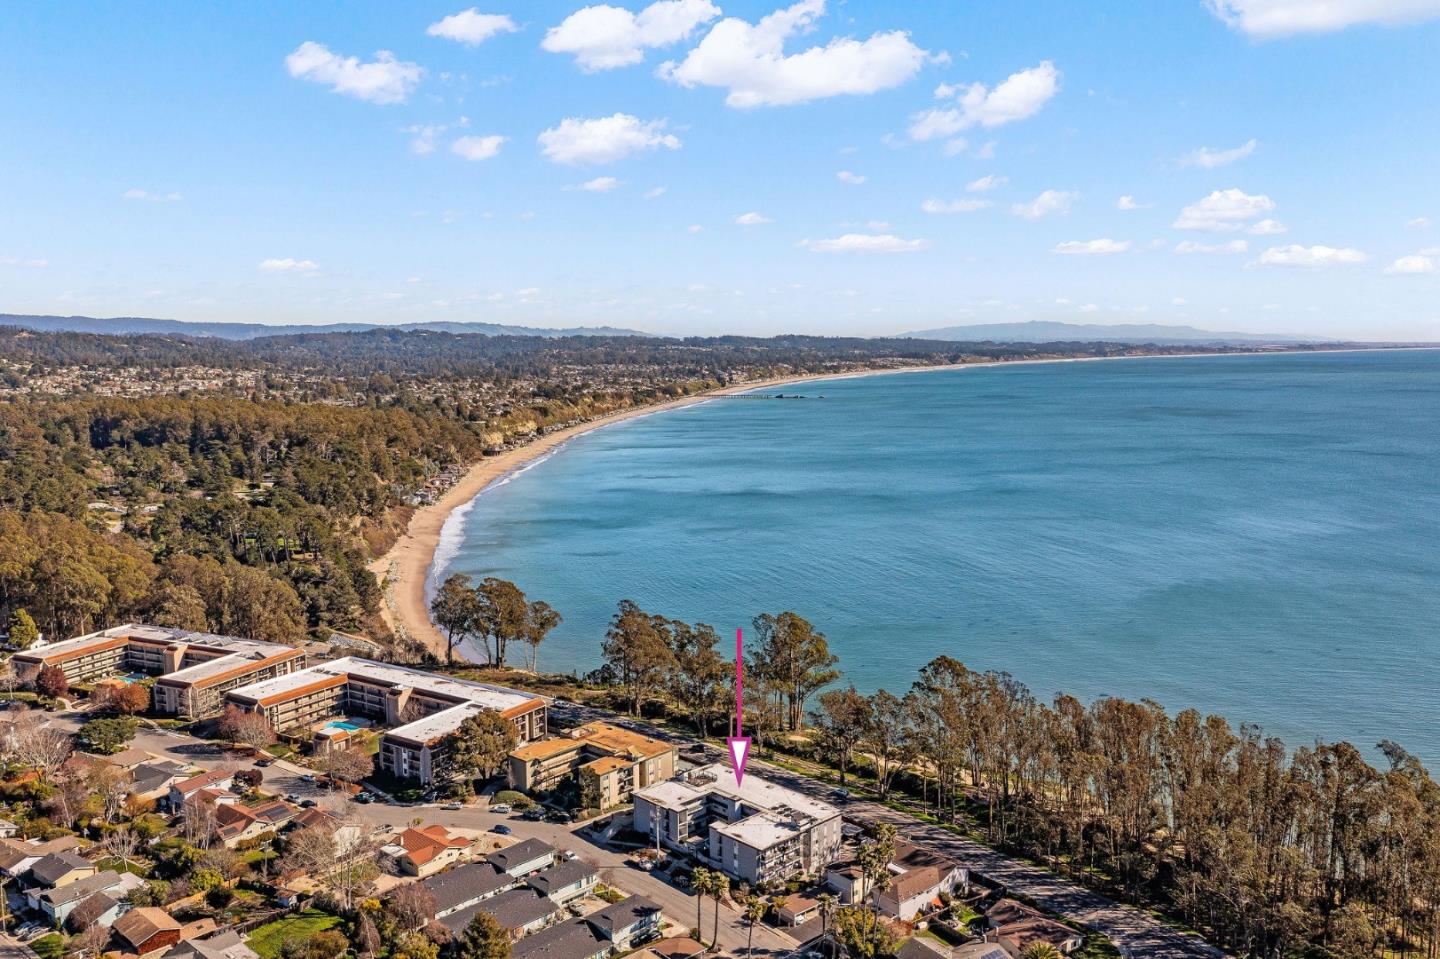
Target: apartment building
{"type": "Point", "coordinates": [610, 762]}
{"type": "Point", "coordinates": [421, 708]}
{"type": "Point", "coordinates": [194, 670]}
{"type": "Point", "coordinates": [758, 832]}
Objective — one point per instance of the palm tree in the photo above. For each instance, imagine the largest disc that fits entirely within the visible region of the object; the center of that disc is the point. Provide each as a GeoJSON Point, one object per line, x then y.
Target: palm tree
{"type": "Point", "coordinates": [827, 912]}
{"type": "Point", "coordinates": [755, 908]}
{"type": "Point", "coordinates": [1040, 950]}
{"type": "Point", "coordinates": [719, 885]}
{"type": "Point", "coordinates": [700, 880]}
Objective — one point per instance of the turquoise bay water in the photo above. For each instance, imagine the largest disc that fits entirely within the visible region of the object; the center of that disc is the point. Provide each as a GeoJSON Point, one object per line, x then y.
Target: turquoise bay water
{"type": "Point", "coordinates": [1250, 535]}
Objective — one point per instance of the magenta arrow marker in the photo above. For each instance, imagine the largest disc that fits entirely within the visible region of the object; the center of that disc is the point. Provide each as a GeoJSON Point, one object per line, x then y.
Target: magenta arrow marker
{"type": "Point", "coordinates": [739, 744]}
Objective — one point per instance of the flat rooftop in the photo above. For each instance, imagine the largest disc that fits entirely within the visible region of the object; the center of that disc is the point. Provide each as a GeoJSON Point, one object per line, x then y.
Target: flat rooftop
{"type": "Point", "coordinates": [138, 632]}
{"type": "Point", "coordinates": [756, 792]}
{"type": "Point", "coordinates": [760, 831]}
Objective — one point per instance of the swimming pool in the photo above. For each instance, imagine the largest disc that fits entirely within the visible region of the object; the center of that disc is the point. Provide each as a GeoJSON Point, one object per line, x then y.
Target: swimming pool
{"type": "Point", "coordinates": [342, 724]}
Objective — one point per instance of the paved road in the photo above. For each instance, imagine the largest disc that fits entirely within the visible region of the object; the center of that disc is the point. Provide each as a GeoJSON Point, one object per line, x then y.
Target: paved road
{"type": "Point", "coordinates": [12, 948]}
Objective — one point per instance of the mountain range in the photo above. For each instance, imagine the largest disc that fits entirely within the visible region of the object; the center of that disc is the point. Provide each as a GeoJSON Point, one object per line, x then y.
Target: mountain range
{"type": "Point", "coordinates": [1046, 331]}
{"type": "Point", "coordinates": [250, 331]}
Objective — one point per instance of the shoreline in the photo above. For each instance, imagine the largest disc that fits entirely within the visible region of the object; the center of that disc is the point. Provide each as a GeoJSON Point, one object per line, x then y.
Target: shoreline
{"type": "Point", "coordinates": [407, 564]}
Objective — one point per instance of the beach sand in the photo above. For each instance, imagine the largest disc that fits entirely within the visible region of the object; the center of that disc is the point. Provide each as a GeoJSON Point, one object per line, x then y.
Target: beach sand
{"type": "Point", "coordinates": [404, 569]}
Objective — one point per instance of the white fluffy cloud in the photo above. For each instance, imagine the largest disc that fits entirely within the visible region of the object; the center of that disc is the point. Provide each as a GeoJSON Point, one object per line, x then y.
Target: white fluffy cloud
{"type": "Point", "coordinates": [934, 205]}
{"type": "Point", "coordinates": [1266, 228]}
{"type": "Point", "coordinates": [752, 219]}
{"type": "Point", "coordinates": [382, 80]}
{"type": "Point", "coordinates": [1051, 201]}
{"type": "Point", "coordinates": [1092, 247]}
{"type": "Point", "coordinates": [1019, 96]}
{"type": "Point", "coordinates": [1128, 203]}
{"type": "Point", "coordinates": [1419, 223]}
{"type": "Point", "coordinates": [604, 139]}
{"type": "Point", "coordinates": [865, 243]}
{"type": "Point", "coordinates": [854, 179]}
{"type": "Point", "coordinates": [1190, 246]}
{"type": "Point", "coordinates": [1310, 256]}
{"type": "Point", "coordinates": [1413, 265]}
{"type": "Point", "coordinates": [749, 60]}
{"type": "Point", "coordinates": [471, 27]}
{"type": "Point", "coordinates": [1278, 18]}
{"type": "Point", "coordinates": [601, 184]}
{"type": "Point", "coordinates": [287, 265]}
{"type": "Point", "coordinates": [477, 148]}
{"type": "Point", "coordinates": [1226, 211]}
{"type": "Point", "coordinates": [987, 183]}
{"type": "Point", "coordinates": [151, 197]}
{"type": "Point", "coordinates": [603, 37]}
{"type": "Point", "coordinates": [1210, 158]}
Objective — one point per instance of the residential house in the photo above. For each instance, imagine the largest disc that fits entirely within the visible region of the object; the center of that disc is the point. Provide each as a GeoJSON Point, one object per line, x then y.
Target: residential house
{"type": "Point", "coordinates": [222, 945]}
{"type": "Point", "coordinates": [798, 910]}
{"type": "Point", "coordinates": [1018, 927]}
{"type": "Point", "coordinates": [147, 929]}
{"type": "Point", "coordinates": [518, 911]}
{"type": "Point", "coordinates": [60, 869]}
{"type": "Point", "coordinates": [8, 829]}
{"type": "Point", "coordinates": [464, 886]}
{"type": "Point", "coordinates": [565, 882]}
{"type": "Point", "coordinates": [153, 780]}
{"type": "Point", "coordinates": [918, 877]}
{"type": "Point", "coordinates": [183, 791]}
{"type": "Point", "coordinates": [572, 939]}
{"type": "Point", "coordinates": [427, 850]}
{"type": "Point", "coordinates": [524, 857]}
{"type": "Point", "coordinates": [18, 855]}
{"type": "Point", "coordinates": [100, 909]}
{"type": "Point", "coordinates": [59, 902]}
{"type": "Point", "coordinates": [628, 923]}
{"type": "Point", "coordinates": [237, 822]}
{"type": "Point", "coordinates": [345, 835]}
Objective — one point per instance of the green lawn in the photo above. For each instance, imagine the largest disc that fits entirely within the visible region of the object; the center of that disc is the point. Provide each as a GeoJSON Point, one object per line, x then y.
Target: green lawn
{"type": "Point", "coordinates": [267, 940]}
{"type": "Point", "coordinates": [49, 947]}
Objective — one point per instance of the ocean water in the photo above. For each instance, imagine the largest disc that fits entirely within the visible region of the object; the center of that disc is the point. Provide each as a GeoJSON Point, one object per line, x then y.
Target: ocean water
{"type": "Point", "coordinates": [1257, 536]}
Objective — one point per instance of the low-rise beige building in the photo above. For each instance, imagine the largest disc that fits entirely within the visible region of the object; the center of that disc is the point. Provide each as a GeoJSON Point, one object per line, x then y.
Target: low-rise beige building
{"type": "Point", "coordinates": [609, 761]}
{"type": "Point", "coordinates": [193, 670]}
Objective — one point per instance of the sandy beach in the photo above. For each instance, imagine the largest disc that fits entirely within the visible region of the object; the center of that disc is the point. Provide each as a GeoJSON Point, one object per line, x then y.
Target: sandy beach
{"type": "Point", "coordinates": [404, 569]}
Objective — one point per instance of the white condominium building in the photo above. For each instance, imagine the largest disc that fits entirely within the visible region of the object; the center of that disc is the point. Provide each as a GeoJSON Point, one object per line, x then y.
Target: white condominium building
{"type": "Point", "coordinates": [757, 832]}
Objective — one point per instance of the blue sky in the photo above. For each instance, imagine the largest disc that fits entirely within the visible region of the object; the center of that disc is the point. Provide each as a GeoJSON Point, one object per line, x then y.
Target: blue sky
{"type": "Point", "coordinates": [707, 166]}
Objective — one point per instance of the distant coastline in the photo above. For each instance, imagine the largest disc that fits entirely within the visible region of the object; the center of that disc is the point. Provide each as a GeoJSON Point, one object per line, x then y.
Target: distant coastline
{"type": "Point", "coordinates": [405, 570]}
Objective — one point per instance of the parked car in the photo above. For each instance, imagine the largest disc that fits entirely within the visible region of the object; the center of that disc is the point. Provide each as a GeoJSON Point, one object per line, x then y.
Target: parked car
{"type": "Point", "coordinates": [500, 828]}
{"type": "Point", "coordinates": [292, 798]}
{"type": "Point", "coordinates": [534, 814]}
{"type": "Point", "coordinates": [645, 865]}
{"type": "Point", "coordinates": [452, 806]}
{"type": "Point", "coordinates": [840, 793]}
{"type": "Point", "coordinates": [500, 807]}
{"type": "Point", "coordinates": [307, 778]}
{"type": "Point", "coordinates": [571, 854]}
{"type": "Point", "coordinates": [558, 816]}
{"type": "Point", "coordinates": [307, 804]}
{"type": "Point", "coordinates": [364, 799]}
{"type": "Point", "coordinates": [264, 762]}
